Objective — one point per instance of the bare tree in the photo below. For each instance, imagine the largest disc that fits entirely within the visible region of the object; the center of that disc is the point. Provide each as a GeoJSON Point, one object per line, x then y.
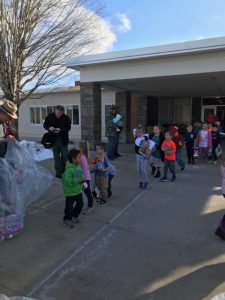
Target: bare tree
{"type": "Point", "coordinates": [35, 38]}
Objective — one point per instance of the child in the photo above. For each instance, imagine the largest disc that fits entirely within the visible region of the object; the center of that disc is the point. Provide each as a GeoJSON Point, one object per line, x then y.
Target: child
{"type": "Point", "coordinates": [204, 142]}
{"type": "Point", "coordinates": [158, 154]}
{"type": "Point", "coordinates": [197, 127]}
{"type": "Point", "coordinates": [72, 180]}
{"type": "Point", "coordinates": [101, 173]}
{"type": "Point", "coordinates": [178, 140]}
{"type": "Point", "coordinates": [84, 148]}
{"type": "Point", "coordinates": [189, 142]}
{"type": "Point", "coordinates": [142, 155]}
{"type": "Point", "coordinates": [169, 149]}
{"type": "Point", "coordinates": [112, 173]}
{"type": "Point", "coordinates": [215, 135]}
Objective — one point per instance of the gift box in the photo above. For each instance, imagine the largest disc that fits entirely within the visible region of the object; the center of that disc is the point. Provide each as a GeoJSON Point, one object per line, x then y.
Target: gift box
{"type": "Point", "coordinates": [10, 225]}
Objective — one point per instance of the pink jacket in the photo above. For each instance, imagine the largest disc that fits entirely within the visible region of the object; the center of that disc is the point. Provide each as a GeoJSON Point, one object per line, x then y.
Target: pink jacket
{"type": "Point", "coordinates": [85, 167]}
{"type": "Point", "coordinates": [222, 168]}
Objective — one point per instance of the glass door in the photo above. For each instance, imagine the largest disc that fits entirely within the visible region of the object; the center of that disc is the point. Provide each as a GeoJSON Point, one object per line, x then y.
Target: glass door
{"type": "Point", "coordinates": [206, 110]}
{"type": "Point", "coordinates": [220, 113]}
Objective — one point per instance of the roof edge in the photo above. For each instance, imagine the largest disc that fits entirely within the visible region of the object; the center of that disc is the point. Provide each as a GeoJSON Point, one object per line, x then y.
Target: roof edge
{"type": "Point", "coordinates": [204, 45]}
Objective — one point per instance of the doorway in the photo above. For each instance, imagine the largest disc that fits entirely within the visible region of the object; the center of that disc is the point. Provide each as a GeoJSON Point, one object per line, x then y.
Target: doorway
{"type": "Point", "coordinates": [206, 111]}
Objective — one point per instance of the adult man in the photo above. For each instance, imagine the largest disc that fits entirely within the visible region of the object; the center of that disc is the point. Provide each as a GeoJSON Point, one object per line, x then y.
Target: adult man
{"type": "Point", "coordinates": [114, 128]}
{"type": "Point", "coordinates": [7, 113]}
{"type": "Point", "coordinates": [59, 125]}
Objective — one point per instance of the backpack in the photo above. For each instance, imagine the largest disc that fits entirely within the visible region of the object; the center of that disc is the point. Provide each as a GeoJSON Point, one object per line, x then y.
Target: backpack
{"type": "Point", "coordinates": [220, 231]}
{"type": "Point", "coordinates": [48, 140]}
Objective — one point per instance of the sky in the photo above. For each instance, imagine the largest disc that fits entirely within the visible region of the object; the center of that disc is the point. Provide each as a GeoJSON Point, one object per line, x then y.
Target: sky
{"type": "Point", "coordinates": [143, 23]}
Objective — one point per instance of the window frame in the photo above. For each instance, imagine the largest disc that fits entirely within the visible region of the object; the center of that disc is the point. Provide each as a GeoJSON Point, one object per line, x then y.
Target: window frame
{"type": "Point", "coordinates": [46, 106]}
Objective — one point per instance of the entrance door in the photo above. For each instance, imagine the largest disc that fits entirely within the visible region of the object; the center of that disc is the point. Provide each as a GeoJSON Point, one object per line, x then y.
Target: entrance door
{"type": "Point", "coordinates": [207, 110]}
{"type": "Point", "coordinates": [220, 113]}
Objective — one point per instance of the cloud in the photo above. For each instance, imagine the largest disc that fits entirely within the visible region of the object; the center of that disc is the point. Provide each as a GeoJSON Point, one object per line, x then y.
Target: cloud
{"type": "Point", "coordinates": [105, 37]}
{"type": "Point", "coordinates": [125, 23]}
{"type": "Point", "coordinates": [200, 37]}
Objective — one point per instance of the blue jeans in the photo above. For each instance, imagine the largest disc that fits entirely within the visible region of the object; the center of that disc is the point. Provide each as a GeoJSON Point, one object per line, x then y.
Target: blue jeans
{"type": "Point", "coordinates": [179, 159]}
{"type": "Point", "coordinates": [117, 144]}
{"type": "Point", "coordinates": [111, 147]}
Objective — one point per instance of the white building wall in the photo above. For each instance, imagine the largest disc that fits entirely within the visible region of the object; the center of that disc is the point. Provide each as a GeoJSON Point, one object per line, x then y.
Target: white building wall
{"type": "Point", "coordinates": [30, 131]}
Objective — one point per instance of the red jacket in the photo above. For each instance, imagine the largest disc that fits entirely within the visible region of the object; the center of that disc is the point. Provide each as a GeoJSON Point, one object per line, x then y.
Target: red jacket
{"type": "Point", "coordinates": [178, 140]}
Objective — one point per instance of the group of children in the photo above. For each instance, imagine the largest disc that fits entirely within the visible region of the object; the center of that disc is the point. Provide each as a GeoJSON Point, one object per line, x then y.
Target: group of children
{"type": "Point", "coordinates": [77, 179]}
{"type": "Point", "coordinates": [201, 141]}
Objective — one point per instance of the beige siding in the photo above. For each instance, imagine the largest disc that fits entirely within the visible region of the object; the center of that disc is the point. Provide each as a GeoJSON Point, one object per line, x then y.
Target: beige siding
{"type": "Point", "coordinates": [35, 132]}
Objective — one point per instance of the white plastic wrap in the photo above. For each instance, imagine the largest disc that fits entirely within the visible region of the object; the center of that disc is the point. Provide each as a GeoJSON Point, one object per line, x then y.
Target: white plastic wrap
{"type": "Point", "coordinates": [37, 150]}
{"type": "Point", "coordinates": [22, 181]}
{"type": "Point", "coordinates": [3, 297]}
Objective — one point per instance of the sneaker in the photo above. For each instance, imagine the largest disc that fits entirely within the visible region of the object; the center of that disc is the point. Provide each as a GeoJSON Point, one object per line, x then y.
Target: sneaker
{"type": "Point", "coordinates": [68, 224]}
{"type": "Point", "coordinates": [75, 220]}
{"type": "Point", "coordinates": [140, 185]}
{"type": "Point", "coordinates": [145, 186]}
{"type": "Point", "coordinates": [215, 162]}
{"type": "Point", "coordinates": [102, 203]}
{"type": "Point", "coordinates": [97, 200]}
{"type": "Point", "coordinates": [210, 162]}
{"type": "Point", "coordinates": [163, 179]}
{"type": "Point", "coordinates": [173, 178]}
{"type": "Point", "coordinates": [88, 211]}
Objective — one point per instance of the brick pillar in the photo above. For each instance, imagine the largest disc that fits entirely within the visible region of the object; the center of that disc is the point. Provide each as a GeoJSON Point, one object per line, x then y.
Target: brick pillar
{"type": "Point", "coordinates": [90, 96]}
{"type": "Point", "coordinates": [138, 111]}
{"type": "Point", "coordinates": [196, 109]}
{"type": "Point", "coordinates": [123, 102]}
{"type": "Point", "coordinates": [142, 111]}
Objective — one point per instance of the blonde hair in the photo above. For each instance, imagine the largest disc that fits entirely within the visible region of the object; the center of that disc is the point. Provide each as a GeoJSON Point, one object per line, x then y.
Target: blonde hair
{"type": "Point", "coordinates": [84, 147]}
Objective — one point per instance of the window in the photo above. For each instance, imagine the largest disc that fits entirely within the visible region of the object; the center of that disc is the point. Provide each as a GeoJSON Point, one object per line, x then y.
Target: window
{"type": "Point", "coordinates": [38, 114]}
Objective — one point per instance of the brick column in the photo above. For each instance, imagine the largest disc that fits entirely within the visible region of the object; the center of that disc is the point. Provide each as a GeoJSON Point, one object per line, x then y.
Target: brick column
{"type": "Point", "coordinates": [142, 111]}
{"type": "Point", "coordinates": [90, 99]}
{"type": "Point", "coordinates": [123, 102]}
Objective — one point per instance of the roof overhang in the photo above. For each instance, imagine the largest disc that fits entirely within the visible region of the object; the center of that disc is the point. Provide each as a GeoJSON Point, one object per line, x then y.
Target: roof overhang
{"type": "Point", "coordinates": [176, 49]}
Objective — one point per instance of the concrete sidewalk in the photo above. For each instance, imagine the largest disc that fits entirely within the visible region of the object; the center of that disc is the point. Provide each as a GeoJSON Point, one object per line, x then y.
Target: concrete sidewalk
{"type": "Point", "coordinates": [155, 244]}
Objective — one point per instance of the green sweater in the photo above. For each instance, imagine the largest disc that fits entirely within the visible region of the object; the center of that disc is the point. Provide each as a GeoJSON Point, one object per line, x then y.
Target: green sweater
{"type": "Point", "coordinates": [72, 180]}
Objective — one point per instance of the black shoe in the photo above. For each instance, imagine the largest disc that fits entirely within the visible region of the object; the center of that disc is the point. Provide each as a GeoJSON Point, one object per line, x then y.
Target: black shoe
{"type": "Point", "coordinates": [94, 194]}
{"type": "Point", "coordinates": [109, 194]}
{"type": "Point", "coordinates": [58, 176]}
{"type": "Point", "coordinates": [153, 170]}
{"type": "Point", "coordinates": [119, 155]}
{"type": "Point", "coordinates": [158, 174]}
{"type": "Point", "coordinates": [102, 203]}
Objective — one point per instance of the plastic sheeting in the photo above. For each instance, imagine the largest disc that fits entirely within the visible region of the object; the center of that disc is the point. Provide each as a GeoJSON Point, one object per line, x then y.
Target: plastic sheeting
{"type": "Point", "coordinates": [3, 297]}
{"type": "Point", "coordinates": [22, 181]}
{"type": "Point", "coordinates": [37, 150]}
